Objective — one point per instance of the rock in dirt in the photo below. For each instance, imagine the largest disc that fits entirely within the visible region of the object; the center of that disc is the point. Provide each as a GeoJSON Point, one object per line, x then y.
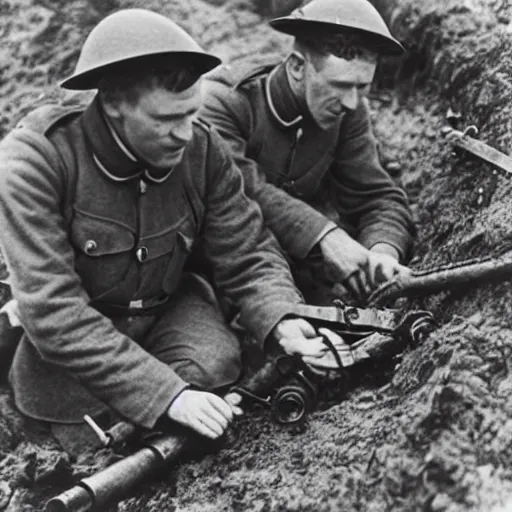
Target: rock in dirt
{"type": "Point", "coordinates": [17, 502]}
{"type": "Point", "coordinates": [5, 494]}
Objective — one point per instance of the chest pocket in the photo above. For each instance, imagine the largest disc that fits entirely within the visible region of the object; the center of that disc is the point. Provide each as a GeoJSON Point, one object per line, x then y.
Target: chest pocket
{"type": "Point", "coordinates": [167, 253]}
{"type": "Point", "coordinates": [103, 252]}
{"type": "Point", "coordinates": [115, 267]}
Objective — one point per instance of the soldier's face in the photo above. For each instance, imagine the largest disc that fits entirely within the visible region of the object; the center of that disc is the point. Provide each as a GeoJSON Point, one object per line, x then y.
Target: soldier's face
{"type": "Point", "coordinates": [158, 126]}
{"type": "Point", "coordinates": [334, 84]}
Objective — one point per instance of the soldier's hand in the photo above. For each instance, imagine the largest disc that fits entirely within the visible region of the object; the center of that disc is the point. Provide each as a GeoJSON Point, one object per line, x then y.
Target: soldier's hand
{"type": "Point", "coordinates": [206, 413]}
{"type": "Point", "coordinates": [346, 262]}
{"type": "Point", "coordinates": [328, 361]}
{"type": "Point", "coordinates": [297, 336]}
{"type": "Point", "coordinates": [383, 265]}
{"type": "Point", "coordinates": [368, 268]}
{"type": "Point", "coordinates": [234, 400]}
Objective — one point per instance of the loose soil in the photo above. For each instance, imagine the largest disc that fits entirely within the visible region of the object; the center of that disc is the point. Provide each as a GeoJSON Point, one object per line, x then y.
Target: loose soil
{"type": "Point", "coordinates": [431, 431]}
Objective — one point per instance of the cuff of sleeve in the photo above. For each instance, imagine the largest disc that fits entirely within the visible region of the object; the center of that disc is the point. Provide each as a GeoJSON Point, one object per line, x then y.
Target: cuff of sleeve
{"type": "Point", "coordinates": [164, 422]}
{"type": "Point", "coordinates": [161, 401]}
{"type": "Point", "coordinates": [385, 248]}
{"type": "Point", "coordinates": [263, 322]}
{"type": "Point", "coordinates": [331, 226]}
{"type": "Point", "coordinates": [399, 242]}
{"type": "Point", "coordinates": [308, 235]}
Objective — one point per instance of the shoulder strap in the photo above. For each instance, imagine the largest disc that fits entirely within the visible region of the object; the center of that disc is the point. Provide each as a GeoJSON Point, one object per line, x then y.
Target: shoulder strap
{"type": "Point", "coordinates": [238, 75]}
{"type": "Point", "coordinates": [45, 120]}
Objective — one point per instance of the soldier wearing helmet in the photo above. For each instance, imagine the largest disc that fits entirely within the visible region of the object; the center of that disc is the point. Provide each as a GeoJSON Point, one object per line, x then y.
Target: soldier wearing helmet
{"type": "Point", "coordinates": [100, 210]}
{"type": "Point", "coordinates": [300, 132]}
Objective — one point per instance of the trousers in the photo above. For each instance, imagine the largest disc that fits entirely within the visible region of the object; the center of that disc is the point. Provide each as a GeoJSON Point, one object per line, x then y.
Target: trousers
{"type": "Point", "coordinates": [192, 336]}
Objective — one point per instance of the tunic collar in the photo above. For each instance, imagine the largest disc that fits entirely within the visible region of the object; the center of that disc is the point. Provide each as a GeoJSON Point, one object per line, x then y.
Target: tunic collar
{"type": "Point", "coordinates": [280, 98]}
{"type": "Point", "coordinates": [110, 154]}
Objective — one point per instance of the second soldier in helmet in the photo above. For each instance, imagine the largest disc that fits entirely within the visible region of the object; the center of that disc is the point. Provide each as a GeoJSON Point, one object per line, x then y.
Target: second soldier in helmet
{"type": "Point", "coordinates": [300, 132]}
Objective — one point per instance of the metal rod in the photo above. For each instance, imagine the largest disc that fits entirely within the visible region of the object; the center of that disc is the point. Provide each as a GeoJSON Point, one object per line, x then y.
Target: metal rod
{"type": "Point", "coordinates": [115, 481]}
{"type": "Point", "coordinates": [444, 279]}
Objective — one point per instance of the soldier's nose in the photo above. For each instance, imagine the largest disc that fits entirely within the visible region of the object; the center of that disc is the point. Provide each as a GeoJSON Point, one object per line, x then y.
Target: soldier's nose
{"type": "Point", "coordinates": [350, 98]}
{"type": "Point", "coordinates": [183, 131]}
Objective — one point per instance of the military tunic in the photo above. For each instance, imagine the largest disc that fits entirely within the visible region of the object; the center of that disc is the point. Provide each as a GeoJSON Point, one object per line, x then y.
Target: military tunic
{"type": "Point", "coordinates": [86, 229]}
{"type": "Point", "coordinates": [293, 168]}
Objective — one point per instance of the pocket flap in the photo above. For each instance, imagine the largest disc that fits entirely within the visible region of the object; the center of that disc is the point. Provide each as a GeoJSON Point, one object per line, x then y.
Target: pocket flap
{"type": "Point", "coordinates": [162, 243]}
{"type": "Point", "coordinates": [96, 236]}
{"type": "Point", "coordinates": [159, 244]}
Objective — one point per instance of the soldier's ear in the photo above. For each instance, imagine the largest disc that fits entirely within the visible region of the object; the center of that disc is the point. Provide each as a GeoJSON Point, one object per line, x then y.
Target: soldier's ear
{"type": "Point", "coordinates": [110, 105]}
{"type": "Point", "coordinates": [295, 66]}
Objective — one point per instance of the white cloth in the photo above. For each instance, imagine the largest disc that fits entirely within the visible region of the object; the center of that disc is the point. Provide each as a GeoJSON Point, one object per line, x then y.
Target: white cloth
{"type": "Point", "coordinates": [12, 311]}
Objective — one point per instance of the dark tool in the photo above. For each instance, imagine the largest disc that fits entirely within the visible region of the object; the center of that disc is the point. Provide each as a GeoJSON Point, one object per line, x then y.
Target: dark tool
{"type": "Point", "coordinates": [446, 277]}
{"type": "Point", "coordinates": [467, 141]}
{"type": "Point", "coordinates": [114, 482]}
{"type": "Point", "coordinates": [370, 332]}
{"type": "Point", "coordinates": [295, 400]}
{"type": "Point", "coordinates": [284, 383]}
{"type": "Point", "coordinates": [288, 386]}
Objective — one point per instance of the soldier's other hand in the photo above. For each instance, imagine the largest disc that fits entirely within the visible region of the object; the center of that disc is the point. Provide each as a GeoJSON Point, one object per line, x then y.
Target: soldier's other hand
{"type": "Point", "coordinates": [321, 365]}
{"type": "Point", "coordinates": [342, 254]}
{"type": "Point", "coordinates": [234, 400]}
{"type": "Point", "coordinates": [297, 336]}
{"type": "Point", "coordinates": [346, 262]}
{"type": "Point", "coordinates": [206, 413]}
{"type": "Point", "coordinates": [383, 265]}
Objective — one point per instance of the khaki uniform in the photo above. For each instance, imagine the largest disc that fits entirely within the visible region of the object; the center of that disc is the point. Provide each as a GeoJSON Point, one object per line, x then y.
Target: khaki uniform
{"type": "Point", "coordinates": [97, 244]}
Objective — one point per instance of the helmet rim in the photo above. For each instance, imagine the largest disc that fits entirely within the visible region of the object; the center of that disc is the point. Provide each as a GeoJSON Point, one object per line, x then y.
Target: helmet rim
{"type": "Point", "coordinates": [89, 78]}
{"type": "Point", "coordinates": [133, 33]}
{"type": "Point", "coordinates": [380, 43]}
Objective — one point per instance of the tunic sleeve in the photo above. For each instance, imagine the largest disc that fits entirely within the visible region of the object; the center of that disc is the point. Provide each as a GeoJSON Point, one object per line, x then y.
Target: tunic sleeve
{"type": "Point", "coordinates": [247, 261]}
{"type": "Point", "coordinates": [364, 193]}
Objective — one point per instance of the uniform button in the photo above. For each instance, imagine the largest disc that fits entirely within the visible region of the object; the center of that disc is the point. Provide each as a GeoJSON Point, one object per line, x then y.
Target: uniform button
{"type": "Point", "coordinates": [90, 246]}
{"type": "Point", "coordinates": [289, 186]}
{"type": "Point", "coordinates": [142, 254]}
{"type": "Point", "coordinates": [292, 189]}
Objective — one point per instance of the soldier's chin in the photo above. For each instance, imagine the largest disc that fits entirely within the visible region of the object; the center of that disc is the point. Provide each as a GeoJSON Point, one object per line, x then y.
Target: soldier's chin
{"type": "Point", "coordinates": [328, 120]}
{"type": "Point", "coordinates": [170, 159]}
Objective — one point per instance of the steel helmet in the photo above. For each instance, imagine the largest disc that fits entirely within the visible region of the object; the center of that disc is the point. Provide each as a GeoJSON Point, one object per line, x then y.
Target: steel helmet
{"type": "Point", "coordinates": [130, 34]}
{"type": "Point", "coordinates": [339, 16]}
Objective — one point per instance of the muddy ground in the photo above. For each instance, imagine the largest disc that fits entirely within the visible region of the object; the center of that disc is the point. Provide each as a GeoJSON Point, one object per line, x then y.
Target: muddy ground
{"type": "Point", "coordinates": [432, 432]}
